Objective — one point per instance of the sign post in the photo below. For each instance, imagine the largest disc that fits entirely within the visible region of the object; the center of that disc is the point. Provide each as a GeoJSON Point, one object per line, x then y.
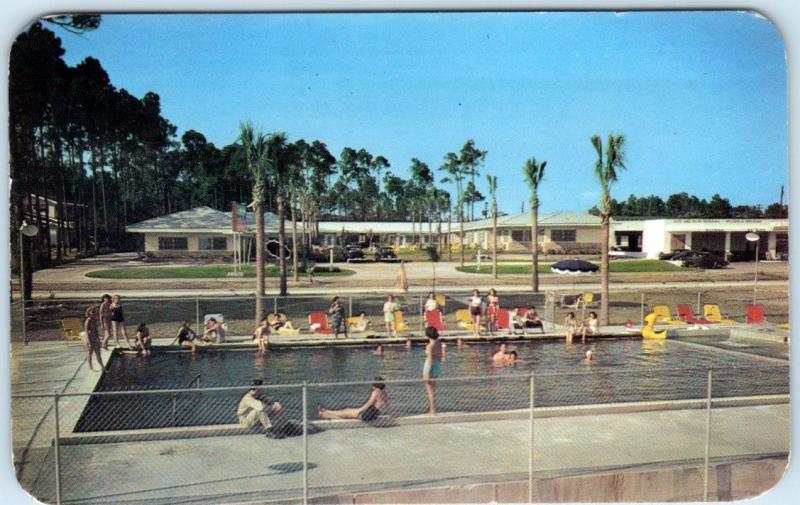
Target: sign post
{"type": "Point", "coordinates": [238, 225]}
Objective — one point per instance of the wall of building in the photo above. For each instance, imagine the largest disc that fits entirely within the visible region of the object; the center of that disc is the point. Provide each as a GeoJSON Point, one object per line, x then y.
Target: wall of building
{"type": "Point", "coordinates": [192, 242]}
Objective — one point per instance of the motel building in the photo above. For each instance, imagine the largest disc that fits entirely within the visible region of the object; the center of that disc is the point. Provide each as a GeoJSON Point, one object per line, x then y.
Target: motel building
{"type": "Point", "coordinates": [204, 232]}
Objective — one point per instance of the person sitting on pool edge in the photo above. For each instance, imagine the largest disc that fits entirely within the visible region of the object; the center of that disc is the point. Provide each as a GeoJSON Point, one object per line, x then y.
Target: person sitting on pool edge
{"type": "Point", "coordinates": [376, 404]}
{"type": "Point", "coordinates": [255, 408]}
{"type": "Point", "coordinates": [143, 340]}
{"type": "Point", "coordinates": [186, 336]}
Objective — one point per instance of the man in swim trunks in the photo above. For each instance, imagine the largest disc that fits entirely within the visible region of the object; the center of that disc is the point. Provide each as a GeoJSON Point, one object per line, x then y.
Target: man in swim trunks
{"type": "Point", "coordinates": [432, 368]}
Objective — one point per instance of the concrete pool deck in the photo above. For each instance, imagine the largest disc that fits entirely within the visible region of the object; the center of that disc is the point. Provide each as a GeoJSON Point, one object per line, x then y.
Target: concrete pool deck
{"type": "Point", "coordinates": [417, 454]}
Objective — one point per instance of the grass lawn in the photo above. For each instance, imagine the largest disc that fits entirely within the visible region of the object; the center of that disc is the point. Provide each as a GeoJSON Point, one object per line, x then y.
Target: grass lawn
{"type": "Point", "coordinates": [615, 266]}
{"type": "Point", "coordinates": [200, 272]}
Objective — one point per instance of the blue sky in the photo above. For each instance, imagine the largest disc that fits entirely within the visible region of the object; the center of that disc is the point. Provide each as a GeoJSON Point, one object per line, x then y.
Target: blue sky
{"type": "Point", "coordinates": [701, 96]}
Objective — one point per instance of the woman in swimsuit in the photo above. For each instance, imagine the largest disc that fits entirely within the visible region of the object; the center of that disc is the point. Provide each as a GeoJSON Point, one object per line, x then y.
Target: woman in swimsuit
{"type": "Point", "coordinates": [91, 336]}
{"type": "Point", "coordinates": [432, 368]}
{"type": "Point", "coordinates": [261, 335]}
{"type": "Point", "coordinates": [570, 327]}
{"type": "Point", "coordinates": [336, 310]}
{"type": "Point", "coordinates": [105, 319]}
{"type": "Point", "coordinates": [186, 336]}
{"type": "Point", "coordinates": [118, 320]}
{"type": "Point", "coordinates": [475, 302]}
{"type": "Point", "coordinates": [492, 306]}
{"type": "Point", "coordinates": [590, 326]}
{"type": "Point", "coordinates": [376, 404]}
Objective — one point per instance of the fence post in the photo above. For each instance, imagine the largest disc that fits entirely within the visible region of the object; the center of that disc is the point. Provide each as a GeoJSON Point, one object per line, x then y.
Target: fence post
{"type": "Point", "coordinates": [421, 316]}
{"type": "Point", "coordinates": [305, 443]}
{"type": "Point", "coordinates": [641, 311]}
{"type": "Point", "coordinates": [530, 448]}
{"type": "Point", "coordinates": [24, 333]}
{"type": "Point", "coordinates": [708, 438]}
{"type": "Point", "coordinates": [350, 306]}
{"type": "Point", "coordinates": [56, 451]}
{"type": "Point", "coordinates": [275, 305]}
{"type": "Point", "coordinates": [698, 305]}
{"type": "Point", "coordinates": [197, 313]}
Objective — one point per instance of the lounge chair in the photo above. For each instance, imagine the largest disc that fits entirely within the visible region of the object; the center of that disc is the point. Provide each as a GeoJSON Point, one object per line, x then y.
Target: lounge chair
{"type": "Point", "coordinates": [220, 331]}
{"type": "Point", "coordinates": [712, 313]}
{"type": "Point", "coordinates": [686, 313]}
{"type": "Point", "coordinates": [665, 315]}
{"type": "Point", "coordinates": [434, 318]}
{"type": "Point", "coordinates": [755, 314]}
{"type": "Point", "coordinates": [72, 328]}
{"type": "Point", "coordinates": [463, 319]}
{"type": "Point", "coordinates": [519, 322]}
{"type": "Point", "coordinates": [502, 321]}
{"type": "Point", "coordinates": [358, 324]}
{"type": "Point", "coordinates": [399, 322]}
{"type": "Point", "coordinates": [440, 301]}
{"type": "Point", "coordinates": [318, 323]}
{"type": "Point", "coordinates": [648, 331]}
{"type": "Point", "coordinates": [281, 325]}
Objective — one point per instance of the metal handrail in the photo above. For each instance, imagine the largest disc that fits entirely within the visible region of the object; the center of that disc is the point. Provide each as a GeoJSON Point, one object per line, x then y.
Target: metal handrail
{"type": "Point", "coordinates": [196, 379]}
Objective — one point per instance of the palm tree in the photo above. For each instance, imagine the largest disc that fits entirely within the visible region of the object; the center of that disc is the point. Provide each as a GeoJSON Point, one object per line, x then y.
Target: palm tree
{"type": "Point", "coordinates": [492, 179]}
{"type": "Point", "coordinates": [254, 145]}
{"type": "Point", "coordinates": [606, 172]}
{"type": "Point", "coordinates": [279, 154]}
{"type": "Point", "coordinates": [534, 172]}
{"type": "Point", "coordinates": [452, 166]}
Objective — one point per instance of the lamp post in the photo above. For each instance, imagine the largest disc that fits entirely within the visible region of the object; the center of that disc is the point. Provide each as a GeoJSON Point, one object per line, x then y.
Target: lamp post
{"type": "Point", "coordinates": [754, 237]}
{"type": "Point", "coordinates": [25, 230]}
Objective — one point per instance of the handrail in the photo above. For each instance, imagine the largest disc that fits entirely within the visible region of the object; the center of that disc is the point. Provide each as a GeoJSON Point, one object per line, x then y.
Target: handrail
{"type": "Point", "coordinates": [195, 380]}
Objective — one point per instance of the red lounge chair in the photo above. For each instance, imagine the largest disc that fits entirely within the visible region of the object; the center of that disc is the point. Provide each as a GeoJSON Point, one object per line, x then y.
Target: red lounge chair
{"type": "Point", "coordinates": [521, 311]}
{"type": "Point", "coordinates": [755, 314]}
{"type": "Point", "coordinates": [434, 318]}
{"type": "Point", "coordinates": [686, 313]}
{"type": "Point", "coordinates": [321, 319]}
{"type": "Point", "coordinates": [503, 320]}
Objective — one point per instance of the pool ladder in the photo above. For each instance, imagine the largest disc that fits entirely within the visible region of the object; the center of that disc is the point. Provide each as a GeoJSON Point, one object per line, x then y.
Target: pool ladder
{"type": "Point", "coordinates": [195, 380]}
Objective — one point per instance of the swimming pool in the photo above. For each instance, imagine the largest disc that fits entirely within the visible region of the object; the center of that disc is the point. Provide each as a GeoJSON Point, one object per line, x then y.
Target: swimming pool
{"type": "Point", "coordinates": [624, 370]}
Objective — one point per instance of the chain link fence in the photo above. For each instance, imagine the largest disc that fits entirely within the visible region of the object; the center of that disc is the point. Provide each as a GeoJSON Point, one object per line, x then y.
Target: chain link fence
{"type": "Point", "coordinates": [39, 320]}
{"type": "Point", "coordinates": [187, 446]}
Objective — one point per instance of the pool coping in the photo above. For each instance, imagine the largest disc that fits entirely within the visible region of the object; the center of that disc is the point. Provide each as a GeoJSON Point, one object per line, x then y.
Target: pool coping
{"type": "Point", "coordinates": [218, 430]}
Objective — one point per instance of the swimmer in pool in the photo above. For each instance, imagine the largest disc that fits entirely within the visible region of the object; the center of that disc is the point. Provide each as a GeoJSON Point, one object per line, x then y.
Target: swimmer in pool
{"type": "Point", "coordinates": [432, 368]}
{"type": "Point", "coordinates": [379, 350]}
{"type": "Point", "coordinates": [502, 354]}
{"type": "Point", "coordinates": [589, 357]}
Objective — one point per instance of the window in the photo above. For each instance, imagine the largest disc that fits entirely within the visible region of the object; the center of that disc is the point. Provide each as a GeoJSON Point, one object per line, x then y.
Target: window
{"type": "Point", "coordinates": [173, 243]}
{"type": "Point", "coordinates": [212, 243]}
{"type": "Point", "coordinates": [562, 235]}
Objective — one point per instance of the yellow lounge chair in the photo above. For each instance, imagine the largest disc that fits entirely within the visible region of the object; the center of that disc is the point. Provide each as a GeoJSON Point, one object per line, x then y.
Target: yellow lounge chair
{"type": "Point", "coordinates": [358, 324]}
{"type": "Point", "coordinates": [463, 319]}
{"type": "Point", "coordinates": [665, 316]}
{"type": "Point", "coordinates": [648, 331]}
{"type": "Point", "coordinates": [784, 326]}
{"type": "Point", "coordinates": [72, 328]}
{"type": "Point", "coordinates": [712, 313]}
{"type": "Point", "coordinates": [399, 323]}
{"type": "Point", "coordinates": [440, 301]}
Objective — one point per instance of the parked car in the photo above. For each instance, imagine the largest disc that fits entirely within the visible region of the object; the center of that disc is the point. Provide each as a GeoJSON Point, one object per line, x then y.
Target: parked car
{"type": "Point", "coordinates": [700, 259]}
{"type": "Point", "coordinates": [353, 252]}
{"type": "Point", "coordinates": [385, 253]}
{"type": "Point", "coordinates": [670, 255]}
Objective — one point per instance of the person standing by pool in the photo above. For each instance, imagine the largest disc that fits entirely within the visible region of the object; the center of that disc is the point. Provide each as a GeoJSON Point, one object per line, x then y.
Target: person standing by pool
{"type": "Point", "coordinates": [376, 404]}
{"type": "Point", "coordinates": [432, 368]}
{"type": "Point", "coordinates": [492, 306]}
{"type": "Point", "coordinates": [91, 336]}
{"type": "Point", "coordinates": [118, 320]}
{"type": "Point", "coordinates": [143, 340]}
{"type": "Point", "coordinates": [336, 310]}
{"type": "Point", "coordinates": [475, 303]}
{"type": "Point", "coordinates": [261, 335]}
{"type": "Point", "coordinates": [105, 319]}
{"type": "Point", "coordinates": [389, 309]}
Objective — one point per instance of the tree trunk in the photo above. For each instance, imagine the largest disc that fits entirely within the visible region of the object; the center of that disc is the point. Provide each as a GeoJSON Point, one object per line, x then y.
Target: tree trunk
{"type": "Point", "coordinates": [281, 245]}
{"type": "Point", "coordinates": [295, 274]}
{"type": "Point", "coordinates": [494, 239]}
{"type": "Point", "coordinates": [103, 193]}
{"type": "Point", "coordinates": [449, 233]}
{"type": "Point", "coordinates": [604, 271]}
{"type": "Point", "coordinates": [259, 210]}
{"type": "Point", "coordinates": [535, 244]}
{"type": "Point", "coordinates": [94, 200]}
{"type": "Point", "coordinates": [461, 233]}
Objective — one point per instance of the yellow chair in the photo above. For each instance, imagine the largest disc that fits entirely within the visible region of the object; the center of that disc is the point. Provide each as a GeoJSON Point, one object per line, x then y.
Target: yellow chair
{"type": "Point", "coordinates": [663, 312]}
{"type": "Point", "coordinates": [712, 313]}
{"type": "Point", "coordinates": [440, 299]}
{"type": "Point", "coordinates": [784, 326]}
{"type": "Point", "coordinates": [358, 324]}
{"type": "Point", "coordinates": [464, 319]}
{"type": "Point", "coordinates": [648, 331]}
{"type": "Point", "coordinates": [72, 328]}
{"type": "Point", "coordinates": [399, 323]}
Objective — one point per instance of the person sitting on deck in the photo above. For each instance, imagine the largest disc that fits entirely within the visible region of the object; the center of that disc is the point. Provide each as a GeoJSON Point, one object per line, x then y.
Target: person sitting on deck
{"type": "Point", "coordinates": [186, 336]}
{"type": "Point", "coordinates": [590, 326]}
{"type": "Point", "coordinates": [261, 335]}
{"type": "Point", "coordinates": [214, 331]}
{"type": "Point", "coordinates": [143, 339]}
{"type": "Point", "coordinates": [255, 408]}
{"type": "Point", "coordinates": [376, 404]}
{"type": "Point", "coordinates": [530, 319]}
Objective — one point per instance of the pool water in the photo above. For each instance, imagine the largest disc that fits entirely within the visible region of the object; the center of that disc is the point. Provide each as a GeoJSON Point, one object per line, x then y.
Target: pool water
{"type": "Point", "coordinates": [623, 370]}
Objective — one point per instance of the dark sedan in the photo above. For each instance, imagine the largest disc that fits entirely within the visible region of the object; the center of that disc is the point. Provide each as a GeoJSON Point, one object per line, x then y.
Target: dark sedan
{"type": "Point", "coordinates": [353, 252]}
{"type": "Point", "coordinates": [385, 254]}
{"type": "Point", "coordinates": [700, 259]}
